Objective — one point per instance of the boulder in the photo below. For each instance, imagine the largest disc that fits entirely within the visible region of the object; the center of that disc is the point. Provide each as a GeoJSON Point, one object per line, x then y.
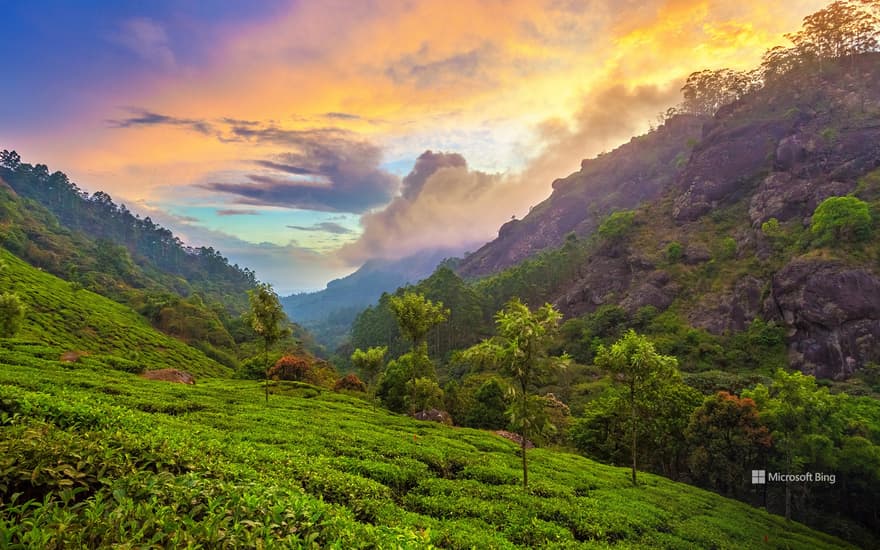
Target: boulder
{"type": "Point", "coordinates": [434, 415]}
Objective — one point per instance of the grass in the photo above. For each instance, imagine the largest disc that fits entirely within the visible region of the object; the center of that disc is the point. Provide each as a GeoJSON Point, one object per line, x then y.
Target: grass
{"type": "Point", "coordinates": [96, 457]}
{"type": "Point", "coordinates": [102, 332]}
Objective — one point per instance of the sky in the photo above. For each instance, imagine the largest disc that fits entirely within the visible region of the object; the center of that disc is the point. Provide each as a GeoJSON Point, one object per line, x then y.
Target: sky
{"type": "Point", "coordinates": [302, 138]}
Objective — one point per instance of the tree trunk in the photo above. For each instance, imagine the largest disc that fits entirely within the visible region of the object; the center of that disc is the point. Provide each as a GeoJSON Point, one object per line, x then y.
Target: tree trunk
{"type": "Point", "coordinates": [522, 436]}
{"type": "Point", "coordinates": [632, 402]}
{"type": "Point", "coordinates": [266, 358]}
{"type": "Point", "coordinates": [787, 501]}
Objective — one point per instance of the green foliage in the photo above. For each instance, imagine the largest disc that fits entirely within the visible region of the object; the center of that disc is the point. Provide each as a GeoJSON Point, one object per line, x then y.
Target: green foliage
{"type": "Point", "coordinates": [11, 314]}
{"type": "Point", "coordinates": [727, 438]}
{"type": "Point", "coordinates": [369, 362]}
{"type": "Point", "coordinates": [643, 372]}
{"type": "Point", "coordinates": [416, 315]}
{"type": "Point", "coordinates": [266, 317]}
{"type": "Point", "coordinates": [489, 408]}
{"type": "Point", "coordinates": [674, 252]}
{"type": "Point", "coordinates": [391, 389]}
{"type": "Point", "coordinates": [616, 225]}
{"type": "Point", "coordinates": [102, 459]}
{"type": "Point", "coordinates": [521, 351]}
{"type": "Point", "coordinates": [726, 249]}
{"type": "Point", "coordinates": [423, 393]}
{"type": "Point", "coordinates": [837, 219]}
{"type": "Point", "coordinates": [98, 331]}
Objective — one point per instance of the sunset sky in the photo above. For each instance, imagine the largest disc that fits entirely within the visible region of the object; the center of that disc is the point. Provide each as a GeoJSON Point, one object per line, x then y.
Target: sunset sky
{"type": "Point", "coordinates": [282, 132]}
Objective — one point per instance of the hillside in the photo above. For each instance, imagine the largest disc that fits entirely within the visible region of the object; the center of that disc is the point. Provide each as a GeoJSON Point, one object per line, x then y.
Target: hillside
{"type": "Point", "coordinates": [94, 457]}
{"type": "Point", "coordinates": [87, 330]}
{"type": "Point", "coordinates": [773, 156]}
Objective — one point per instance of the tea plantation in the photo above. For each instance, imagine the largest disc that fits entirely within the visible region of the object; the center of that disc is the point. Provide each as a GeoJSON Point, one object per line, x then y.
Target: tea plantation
{"type": "Point", "coordinates": [92, 455]}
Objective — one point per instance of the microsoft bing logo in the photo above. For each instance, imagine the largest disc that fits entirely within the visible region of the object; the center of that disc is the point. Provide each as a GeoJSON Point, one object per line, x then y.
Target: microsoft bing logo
{"type": "Point", "coordinates": [759, 477]}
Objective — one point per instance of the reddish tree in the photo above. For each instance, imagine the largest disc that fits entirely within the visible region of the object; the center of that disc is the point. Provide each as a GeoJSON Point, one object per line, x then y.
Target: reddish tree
{"type": "Point", "coordinates": [727, 438]}
{"type": "Point", "coordinates": [291, 367]}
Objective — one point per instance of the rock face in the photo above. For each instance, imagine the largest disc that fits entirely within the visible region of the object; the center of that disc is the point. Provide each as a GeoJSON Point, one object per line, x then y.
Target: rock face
{"type": "Point", "coordinates": [733, 310]}
{"type": "Point", "coordinates": [631, 174]}
{"type": "Point", "coordinates": [833, 314]}
{"type": "Point", "coordinates": [434, 415]}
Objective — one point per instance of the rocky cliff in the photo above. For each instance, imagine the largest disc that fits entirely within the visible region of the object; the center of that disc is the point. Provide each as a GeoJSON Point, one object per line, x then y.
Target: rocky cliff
{"type": "Point", "coordinates": [709, 186]}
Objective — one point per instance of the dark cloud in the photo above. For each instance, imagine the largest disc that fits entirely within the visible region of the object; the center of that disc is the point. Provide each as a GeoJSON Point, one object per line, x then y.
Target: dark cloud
{"type": "Point", "coordinates": [343, 172]}
{"type": "Point", "coordinates": [141, 117]}
{"type": "Point", "coordinates": [342, 116]}
{"type": "Point", "coordinates": [296, 170]}
{"type": "Point", "coordinates": [236, 212]}
{"type": "Point", "coordinates": [324, 227]}
{"type": "Point", "coordinates": [326, 169]}
{"type": "Point", "coordinates": [426, 165]}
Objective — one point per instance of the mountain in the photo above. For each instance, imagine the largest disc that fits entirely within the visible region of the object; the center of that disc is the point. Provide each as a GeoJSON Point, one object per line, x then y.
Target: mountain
{"type": "Point", "coordinates": [742, 216]}
{"type": "Point", "coordinates": [624, 178]}
{"type": "Point", "coordinates": [328, 313]}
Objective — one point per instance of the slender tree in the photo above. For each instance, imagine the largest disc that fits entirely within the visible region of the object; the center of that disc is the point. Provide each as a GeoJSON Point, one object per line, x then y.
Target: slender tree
{"type": "Point", "coordinates": [521, 350]}
{"type": "Point", "coordinates": [267, 320]}
{"type": "Point", "coordinates": [634, 362]}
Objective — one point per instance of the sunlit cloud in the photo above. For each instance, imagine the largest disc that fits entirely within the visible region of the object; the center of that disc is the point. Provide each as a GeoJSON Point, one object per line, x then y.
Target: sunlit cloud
{"type": "Point", "coordinates": [323, 106]}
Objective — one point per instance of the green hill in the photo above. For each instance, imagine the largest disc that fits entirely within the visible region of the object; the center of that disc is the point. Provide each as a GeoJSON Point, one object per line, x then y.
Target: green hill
{"type": "Point", "coordinates": [91, 457]}
{"type": "Point", "coordinates": [93, 330]}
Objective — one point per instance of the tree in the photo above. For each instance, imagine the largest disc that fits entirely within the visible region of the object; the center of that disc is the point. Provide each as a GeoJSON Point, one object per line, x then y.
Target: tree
{"type": "Point", "coordinates": [369, 362]}
{"type": "Point", "coordinates": [489, 407]}
{"type": "Point", "coordinates": [416, 315]}
{"type": "Point", "coordinates": [726, 436]}
{"type": "Point", "coordinates": [796, 411]}
{"type": "Point", "coordinates": [634, 362]}
{"type": "Point", "coordinates": [841, 218]}
{"type": "Point", "coordinates": [521, 350]}
{"type": "Point", "coordinates": [266, 318]}
{"type": "Point", "coordinates": [11, 314]}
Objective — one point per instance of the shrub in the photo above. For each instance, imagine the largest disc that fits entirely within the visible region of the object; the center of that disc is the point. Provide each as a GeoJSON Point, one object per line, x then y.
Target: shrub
{"type": "Point", "coordinates": [11, 314]}
{"type": "Point", "coordinates": [350, 382]}
{"type": "Point", "coordinates": [617, 224]}
{"type": "Point", "coordinates": [674, 251]}
{"type": "Point", "coordinates": [291, 367]}
{"type": "Point", "coordinates": [841, 218]}
{"type": "Point", "coordinates": [727, 248]}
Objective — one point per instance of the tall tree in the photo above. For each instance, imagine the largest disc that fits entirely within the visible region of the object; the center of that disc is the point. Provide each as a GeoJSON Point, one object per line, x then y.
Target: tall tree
{"type": "Point", "coordinates": [635, 362]}
{"type": "Point", "coordinates": [267, 320]}
{"type": "Point", "coordinates": [521, 351]}
{"type": "Point", "coordinates": [416, 315]}
{"type": "Point", "coordinates": [369, 362]}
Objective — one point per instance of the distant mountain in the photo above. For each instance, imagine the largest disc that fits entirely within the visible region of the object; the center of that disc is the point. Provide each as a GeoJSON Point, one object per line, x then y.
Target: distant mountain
{"type": "Point", "coordinates": [328, 313]}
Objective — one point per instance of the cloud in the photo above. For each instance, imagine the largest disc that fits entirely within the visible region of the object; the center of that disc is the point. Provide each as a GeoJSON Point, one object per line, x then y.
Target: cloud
{"type": "Point", "coordinates": [237, 212]}
{"type": "Point", "coordinates": [326, 174]}
{"type": "Point", "coordinates": [143, 117]}
{"type": "Point", "coordinates": [324, 227]}
{"type": "Point", "coordinates": [426, 165]}
{"type": "Point", "coordinates": [341, 116]}
{"type": "Point", "coordinates": [148, 40]}
{"type": "Point", "coordinates": [324, 169]}
{"type": "Point", "coordinates": [468, 65]}
{"type": "Point", "coordinates": [444, 203]}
